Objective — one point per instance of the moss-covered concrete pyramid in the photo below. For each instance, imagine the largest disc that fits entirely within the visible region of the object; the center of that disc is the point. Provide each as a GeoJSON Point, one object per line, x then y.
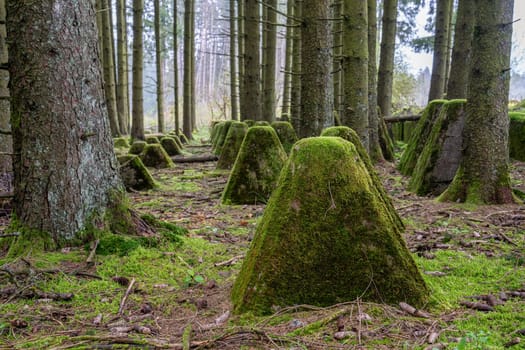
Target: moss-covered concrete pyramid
{"type": "Point", "coordinates": [257, 166]}
{"type": "Point", "coordinates": [517, 135]}
{"type": "Point", "coordinates": [231, 145]}
{"type": "Point", "coordinates": [326, 237]}
{"type": "Point", "coordinates": [441, 155]}
{"type": "Point", "coordinates": [419, 136]}
{"type": "Point", "coordinates": [134, 174]}
{"type": "Point", "coordinates": [222, 132]}
{"type": "Point", "coordinates": [350, 135]}
{"type": "Point", "coordinates": [137, 147]}
{"type": "Point", "coordinates": [155, 156]}
{"type": "Point", "coordinates": [286, 134]}
{"type": "Point", "coordinates": [171, 146]}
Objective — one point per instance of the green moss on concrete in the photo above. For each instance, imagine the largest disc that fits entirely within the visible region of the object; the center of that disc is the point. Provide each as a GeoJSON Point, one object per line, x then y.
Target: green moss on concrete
{"type": "Point", "coordinates": [517, 136]}
{"type": "Point", "coordinates": [441, 155]}
{"type": "Point", "coordinates": [221, 136]}
{"type": "Point", "coordinates": [256, 169]}
{"type": "Point", "coordinates": [137, 147]}
{"type": "Point", "coordinates": [171, 146]}
{"type": "Point", "coordinates": [120, 142]}
{"type": "Point", "coordinates": [183, 138]}
{"type": "Point", "coordinates": [215, 133]}
{"type": "Point", "coordinates": [134, 173]}
{"type": "Point", "coordinates": [326, 237]}
{"type": "Point", "coordinates": [350, 135]}
{"type": "Point", "coordinates": [155, 156]}
{"type": "Point", "coordinates": [286, 134]}
{"type": "Point", "coordinates": [385, 142]}
{"type": "Point", "coordinates": [420, 135]}
{"type": "Point", "coordinates": [231, 145]}
{"type": "Point", "coordinates": [261, 123]}
{"type": "Point", "coordinates": [152, 140]}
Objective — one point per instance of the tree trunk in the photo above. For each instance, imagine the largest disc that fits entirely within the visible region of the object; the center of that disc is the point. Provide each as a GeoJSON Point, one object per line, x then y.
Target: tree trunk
{"type": "Point", "coordinates": [338, 55]}
{"type": "Point", "coordinates": [176, 122]}
{"type": "Point", "coordinates": [233, 65]}
{"type": "Point", "coordinates": [316, 76]}
{"type": "Point", "coordinates": [355, 68]}
{"type": "Point", "coordinates": [439, 62]}
{"type": "Point", "coordinates": [65, 168]}
{"type": "Point", "coordinates": [251, 109]}
{"type": "Point", "coordinates": [159, 40]}
{"type": "Point", "coordinates": [459, 70]}
{"type": "Point", "coordinates": [137, 109]}
{"type": "Point", "coordinates": [6, 141]}
{"type": "Point", "coordinates": [192, 70]}
{"type": "Point", "coordinates": [241, 38]}
{"type": "Point", "coordinates": [386, 57]}
{"type": "Point", "coordinates": [285, 113]}
{"type": "Point", "coordinates": [268, 105]}
{"type": "Point", "coordinates": [187, 127]}
{"type": "Point", "coordinates": [122, 68]}
{"type": "Point", "coordinates": [295, 98]}
{"type": "Point", "coordinates": [376, 154]}
{"type": "Point", "coordinates": [483, 176]}
{"type": "Point", "coordinates": [109, 68]}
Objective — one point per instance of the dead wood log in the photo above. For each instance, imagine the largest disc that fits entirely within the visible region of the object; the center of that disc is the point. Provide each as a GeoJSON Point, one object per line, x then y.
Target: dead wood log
{"type": "Point", "coordinates": [402, 118]}
{"type": "Point", "coordinates": [195, 159]}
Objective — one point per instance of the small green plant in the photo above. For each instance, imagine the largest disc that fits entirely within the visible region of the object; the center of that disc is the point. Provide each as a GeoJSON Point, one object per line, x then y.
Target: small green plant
{"type": "Point", "coordinates": [192, 278]}
{"type": "Point", "coordinates": [474, 341]}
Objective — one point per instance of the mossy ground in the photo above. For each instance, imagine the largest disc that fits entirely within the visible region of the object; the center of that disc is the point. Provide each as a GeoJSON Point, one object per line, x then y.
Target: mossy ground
{"type": "Point", "coordinates": [463, 242]}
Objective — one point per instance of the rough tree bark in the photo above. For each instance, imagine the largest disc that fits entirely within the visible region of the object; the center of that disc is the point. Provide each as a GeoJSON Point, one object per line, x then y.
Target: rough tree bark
{"type": "Point", "coordinates": [440, 57]}
{"type": "Point", "coordinates": [459, 69]}
{"type": "Point", "coordinates": [176, 122]}
{"type": "Point", "coordinates": [240, 51]}
{"type": "Point", "coordinates": [268, 98]}
{"type": "Point", "coordinates": [386, 57]}
{"type": "Point", "coordinates": [137, 109]}
{"type": "Point", "coordinates": [483, 176]}
{"type": "Point", "coordinates": [295, 93]}
{"type": "Point", "coordinates": [355, 68]}
{"type": "Point", "coordinates": [373, 118]}
{"type": "Point", "coordinates": [285, 113]}
{"type": "Point", "coordinates": [233, 64]}
{"type": "Point", "coordinates": [316, 75]}
{"type": "Point", "coordinates": [6, 140]}
{"type": "Point", "coordinates": [65, 168]}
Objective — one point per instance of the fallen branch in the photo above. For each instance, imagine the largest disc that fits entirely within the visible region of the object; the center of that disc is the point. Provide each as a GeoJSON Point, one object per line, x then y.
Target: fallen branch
{"type": "Point", "coordinates": [402, 118]}
{"type": "Point", "coordinates": [229, 262]}
{"type": "Point", "coordinates": [91, 255]}
{"type": "Point", "coordinates": [477, 306]}
{"type": "Point", "coordinates": [409, 309]}
{"type": "Point", "coordinates": [125, 297]}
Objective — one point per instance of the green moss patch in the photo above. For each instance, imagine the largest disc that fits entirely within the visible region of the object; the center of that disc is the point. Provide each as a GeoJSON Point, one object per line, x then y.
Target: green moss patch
{"type": "Point", "coordinates": [232, 145]}
{"type": "Point", "coordinates": [420, 135]}
{"type": "Point", "coordinates": [137, 147]}
{"type": "Point", "coordinates": [256, 169]}
{"type": "Point", "coordinates": [152, 140]}
{"type": "Point", "coordinates": [517, 136]}
{"type": "Point", "coordinates": [120, 142]}
{"type": "Point", "coordinates": [286, 134]}
{"type": "Point", "coordinates": [326, 237]}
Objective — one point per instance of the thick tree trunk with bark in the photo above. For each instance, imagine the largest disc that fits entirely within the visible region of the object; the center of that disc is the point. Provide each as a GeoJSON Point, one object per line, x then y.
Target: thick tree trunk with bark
{"type": "Point", "coordinates": [65, 168]}
{"type": "Point", "coordinates": [440, 58]}
{"type": "Point", "coordinates": [355, 68]}
{"type": "Point", "coordinates": [137, 109]}
{"type": "Point", "coordinates": [483, 176]}
{"type": "Point", "coordinates": [386, 57]}
{"type": "Point", "coordinates": [252, 109]}
{"type": "Point", "coordinates": [373, 118]}
{"type": "Point", "coordinates": [268, 99]}
{"type": "Point", "coordinates": [459, 69]}
{"type": "Point", "coordinates": [6, 140]}
{"type": "Point", "coordinates": [122, 68]}
{"type": "Point", "coordinates": [316, 75]}
{"type": "Point", "coordinates": [159, 47]}
{"type": "Point", "coordinates": [109, 67]}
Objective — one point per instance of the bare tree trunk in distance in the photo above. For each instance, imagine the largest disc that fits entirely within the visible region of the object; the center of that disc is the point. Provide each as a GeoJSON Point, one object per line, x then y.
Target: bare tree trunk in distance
{"type": "Point", "coordinates": [483, 175]}
{"type": "Point", "coordinates": [192, 70]}
{"type": "Point", "coordinates": [355, 68]}
{"type": "Point", "coordinates": [233, 64]}
{"type": "Point", "coordinates": [137, 108]}
{"type": "Point", "coordinates": [6, 141]}
{"type": "Point", "coordinates": [159, 67]}
{"type": "Point", "coordinates": [295, 93]}
{"type": "Point", "coordinates": [385, 76]}
{"type": "Point", "coordinates": [285, 113]}
{"type": "Point", "coordinates": [241, 39]}
{"type": "Point", "coordinates": [122, 68]}
{"type": "Point", "coordinates": [376, 154]}
{"type": "Point", "coordinates": [251, 109]}
{"type": "Point", "coordinates": [338, 55]}
{"type": "Point", "coordinates": [439, 62]}
{"type": "Point", "coordinates": [65, 168]}
{"type": "Point", "coordinates": [176, 122]}
{"type": "Point", "coordinates": [268, 99]}
{"type": "Point", "coordinates": [459, 70]}
{"type": "Point", "coordinates": [187, 126]}
{"type": "Point", "coordinates": [316, 83]}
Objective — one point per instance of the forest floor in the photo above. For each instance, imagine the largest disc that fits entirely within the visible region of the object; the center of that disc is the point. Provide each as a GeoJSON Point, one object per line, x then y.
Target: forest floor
{"type": "Point", "coordinates": [176, 295]}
